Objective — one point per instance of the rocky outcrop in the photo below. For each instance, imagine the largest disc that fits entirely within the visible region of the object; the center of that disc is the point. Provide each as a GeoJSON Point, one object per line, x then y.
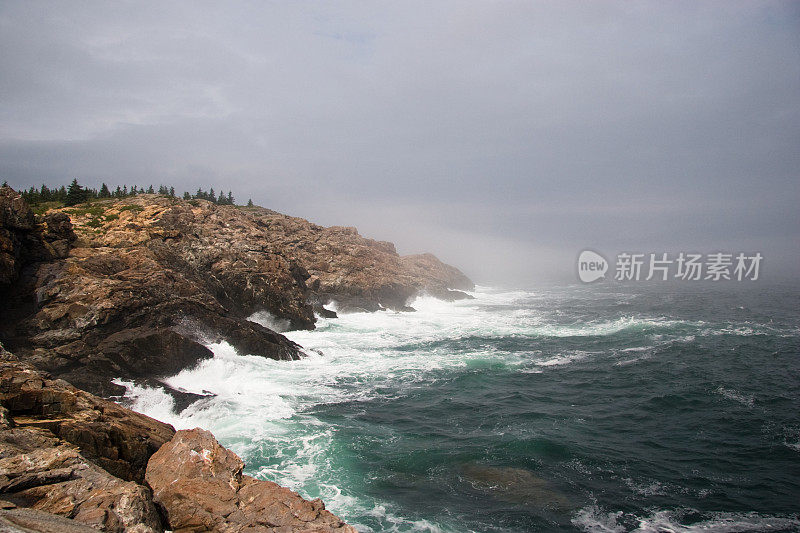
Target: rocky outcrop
{"type": "Point", "coordinates": [200, 486]}
{"type": "Point", "coordinates": [358, 273]}
{"type": "Point", "coordinates": [69, 459]}
{"type": "Point", "coordinates": [68, 453]}
{"type": "Point", "coordinates": [118, 440]}
{"type": "Point", "coordinates": [21, 520]}
{"type": "Point", "coordinates": [146, 285]}
{"type": "Point", "coordinates": [151, 280]}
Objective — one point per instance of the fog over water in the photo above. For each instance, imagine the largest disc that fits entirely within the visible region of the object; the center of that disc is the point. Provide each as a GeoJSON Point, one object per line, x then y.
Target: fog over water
{"type": "Point", "coordinates": [504, 137]}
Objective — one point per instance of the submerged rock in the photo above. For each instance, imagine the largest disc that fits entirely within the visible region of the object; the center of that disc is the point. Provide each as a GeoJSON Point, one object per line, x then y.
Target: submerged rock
{"type": "Point", "coordinates": [515, 485]}
{"type": "Point", "coordinates": [200, 486]}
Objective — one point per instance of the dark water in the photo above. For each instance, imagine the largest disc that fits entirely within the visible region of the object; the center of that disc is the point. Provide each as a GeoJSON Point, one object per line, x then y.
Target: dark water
{"type": "Point", "coordinates": [648, 407]}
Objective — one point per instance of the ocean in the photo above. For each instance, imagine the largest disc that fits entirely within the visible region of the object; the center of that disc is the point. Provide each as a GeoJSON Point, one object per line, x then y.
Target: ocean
{"type": "Point", "coordinates": [610, 407]}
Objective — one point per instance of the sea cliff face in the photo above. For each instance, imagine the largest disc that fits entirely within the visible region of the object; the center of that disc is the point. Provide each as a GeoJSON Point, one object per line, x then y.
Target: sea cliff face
{"type": "Point", "coordinates": [134, 288]}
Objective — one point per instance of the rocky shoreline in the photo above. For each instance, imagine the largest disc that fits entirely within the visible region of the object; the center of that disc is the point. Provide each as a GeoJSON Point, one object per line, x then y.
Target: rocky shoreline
{"type": "Point", "coordinates": [135, 289]}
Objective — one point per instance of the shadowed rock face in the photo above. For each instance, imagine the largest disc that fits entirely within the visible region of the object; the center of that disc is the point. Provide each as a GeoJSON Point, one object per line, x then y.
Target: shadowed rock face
{"type": "Point", "coordinates": [200, 486]}
{"type": "Point", "coordinates": [24, 240]}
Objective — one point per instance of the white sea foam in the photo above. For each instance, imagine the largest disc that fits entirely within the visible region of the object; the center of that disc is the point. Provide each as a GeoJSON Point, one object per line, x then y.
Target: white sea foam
{"type": "Point", "coordinates": [736, 396]}
{"type": "Point", "coordinates": [594, 520]}
{"type": "Point", "coordinates": [268, 320]}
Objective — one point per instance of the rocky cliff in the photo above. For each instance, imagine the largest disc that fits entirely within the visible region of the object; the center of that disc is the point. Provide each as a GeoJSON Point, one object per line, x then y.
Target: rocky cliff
{"type": "Point", "coordinates": [135, 288]}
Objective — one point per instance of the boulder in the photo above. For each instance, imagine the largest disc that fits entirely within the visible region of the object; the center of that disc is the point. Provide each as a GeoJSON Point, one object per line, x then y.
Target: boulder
{"type": "Point", "coordinates": [200, 487]}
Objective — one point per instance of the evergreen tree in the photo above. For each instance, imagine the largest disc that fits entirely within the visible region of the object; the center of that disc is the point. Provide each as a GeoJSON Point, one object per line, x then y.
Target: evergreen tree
{"type": "Point", "coordinates": [230, 198]}
{"type": "Point", "coordinates": [172, 192]}
{"type": "Point", "coordinates": [187, 196]}
{"type": "Point", "coordinates": [250, 202]}
{"type": "Point", "coordinates": [104, 192]}
{"type": "Point", "coordinates": [5, 183]}
{"type": "Point", "coordinates": [150, 190]}
{"type": "Point", "coordinates": [75, 194]}
{"type": "Point", "coordinates": [211, 196]}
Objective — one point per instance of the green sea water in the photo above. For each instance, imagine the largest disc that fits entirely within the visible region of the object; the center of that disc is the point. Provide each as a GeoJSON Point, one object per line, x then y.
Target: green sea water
{"type": "Point", "coordinates": [603, 407]}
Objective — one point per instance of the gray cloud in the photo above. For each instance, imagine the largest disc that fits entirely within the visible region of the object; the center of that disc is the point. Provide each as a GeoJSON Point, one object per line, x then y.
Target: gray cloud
{"type": "Point", "coordinates": [502, 136]}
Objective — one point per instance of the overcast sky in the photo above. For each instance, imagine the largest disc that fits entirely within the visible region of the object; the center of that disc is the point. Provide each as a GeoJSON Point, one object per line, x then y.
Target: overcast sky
{"type": "Point", "coordinates": [503, 136]}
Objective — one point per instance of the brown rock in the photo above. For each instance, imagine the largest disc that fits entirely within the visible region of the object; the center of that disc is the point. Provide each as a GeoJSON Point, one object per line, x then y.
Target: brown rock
{"type": "Point", "coordinates": [30, 520]}
{"type": "Point", "coordinates": [119, 440]}
{"type": "Point", "coordinates": [200, 486]}
{"type": "Point", "coordinates": [151, 279]}
{"type": "Point", "coordinates": [59, 480]}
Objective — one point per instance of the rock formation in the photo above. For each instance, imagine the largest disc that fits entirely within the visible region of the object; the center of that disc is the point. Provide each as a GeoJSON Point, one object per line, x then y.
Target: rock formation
{"type": "Point", "coordinates": [135, 288]}
{"type": "Point", "coordinates": [200, 486]}
{"type": "Point", "coordinates": [90, 462]}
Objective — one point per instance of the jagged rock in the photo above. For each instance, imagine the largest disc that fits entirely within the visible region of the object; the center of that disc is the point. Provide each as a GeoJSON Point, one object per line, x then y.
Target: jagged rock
{"type": "Point", "coordinates": [200, 486]}
{"type": "Point", "coordinates": [59, 480]}
{"type": "Point", "coordinates": [449, 295]}
{"type": "Point", "coordinates": [117, 439]}
{"type": "Point", "coordinates": [325, 313]}
{"type": "Point", "coordinates": [359, 274]}
{"type": "Point", "coordinates": [63, 451]}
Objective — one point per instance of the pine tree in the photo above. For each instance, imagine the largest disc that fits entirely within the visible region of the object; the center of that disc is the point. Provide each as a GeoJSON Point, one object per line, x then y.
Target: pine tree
{"type": "Point", "coordinates": [172, 192]}
{"type": "Point", "coordinates": [250, 202]}
{"type": "Point", "coordinates": [150, 190]}
{"type": "Point", "coordinates": [104, 192]}
{"type": "Point", "coordinates": [75, 194]}
{"type": "Point", "coordinates": [230, 198]}
{"type": "Point", "coordinates": [187, 196]}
